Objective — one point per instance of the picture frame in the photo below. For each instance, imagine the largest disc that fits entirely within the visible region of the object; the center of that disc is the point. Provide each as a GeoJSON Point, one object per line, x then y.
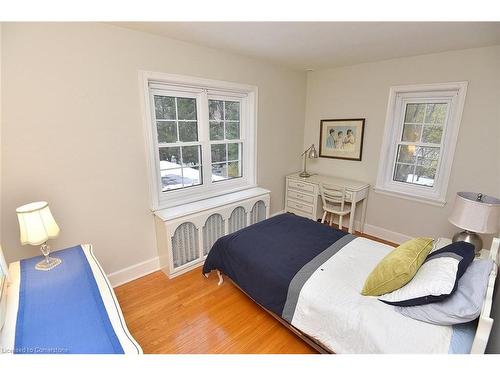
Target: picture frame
{"type": "Point", "coordinates": [341, 138]}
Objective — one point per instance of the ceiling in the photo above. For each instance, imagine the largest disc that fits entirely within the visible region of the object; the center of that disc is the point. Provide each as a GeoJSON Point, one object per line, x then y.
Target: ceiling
{"type": "Point", "coordinates": [319, 45]}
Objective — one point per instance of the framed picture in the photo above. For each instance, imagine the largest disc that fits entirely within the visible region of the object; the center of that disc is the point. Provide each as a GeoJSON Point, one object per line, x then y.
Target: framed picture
{"type": "Point", "coordinates": [341, 139]}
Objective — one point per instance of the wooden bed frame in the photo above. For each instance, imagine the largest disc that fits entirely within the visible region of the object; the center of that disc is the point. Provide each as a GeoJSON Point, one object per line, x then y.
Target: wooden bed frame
{"type": "Point", "coordinates": [484, 326]}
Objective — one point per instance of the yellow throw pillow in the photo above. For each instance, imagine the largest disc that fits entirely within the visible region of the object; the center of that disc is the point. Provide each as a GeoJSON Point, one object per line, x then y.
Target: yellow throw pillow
{"type": "Point", "coordinates": [398, 267]}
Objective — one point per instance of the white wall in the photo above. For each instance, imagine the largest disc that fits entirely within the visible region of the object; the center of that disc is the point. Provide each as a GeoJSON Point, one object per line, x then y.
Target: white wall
{"type": "Point", "coordinates": [362, 91]}
{"type": "Point", "coordinates": [1, 27]}
{"type": "Point", "coordinates": [72, 130]}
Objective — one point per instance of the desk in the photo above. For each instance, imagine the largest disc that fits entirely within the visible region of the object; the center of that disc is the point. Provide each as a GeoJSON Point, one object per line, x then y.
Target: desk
{"type": "Point", "coordinates": [302, 196]}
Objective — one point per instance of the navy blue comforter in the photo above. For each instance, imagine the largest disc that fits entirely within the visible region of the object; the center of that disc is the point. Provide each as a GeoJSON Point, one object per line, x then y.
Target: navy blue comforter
{"type": "Point", "coordinates": [263, 258]}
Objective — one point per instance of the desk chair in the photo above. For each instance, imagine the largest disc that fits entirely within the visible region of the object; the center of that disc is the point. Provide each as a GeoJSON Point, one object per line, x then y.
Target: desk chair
{"type": "Point", "coordinates": [334, 203]}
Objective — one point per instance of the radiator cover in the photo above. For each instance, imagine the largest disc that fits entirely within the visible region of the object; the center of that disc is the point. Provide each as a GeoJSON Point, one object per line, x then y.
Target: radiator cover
{"type": "Point", "coordinates": [186, 235]}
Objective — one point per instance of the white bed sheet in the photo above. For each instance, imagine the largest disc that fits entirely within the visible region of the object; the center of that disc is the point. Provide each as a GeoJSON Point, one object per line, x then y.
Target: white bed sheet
{"type": "Point", "coordinates": [344, 321]}
{"type": "Point", "coordinates": [8, 333]}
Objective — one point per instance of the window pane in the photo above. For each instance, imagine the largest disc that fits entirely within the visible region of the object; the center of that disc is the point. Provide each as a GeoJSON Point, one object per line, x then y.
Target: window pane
{"type": "Point", "coordinates": [186, 109]}
{"type": "Point", "coordinates": [219, 172]}
{"type": "Point", "coordinates": [232, 130]}
{"type": "Point", "coordinates": [411, 133]}
{"type": "Point", "coordinates": [167, 131]}
{"type": "Point", "coordinates": [180, 177]}
{"type": "Point", "coordinates": [191, 155]}
{"type": "Point", "coordinates": [218, 153]}
{"type": "Point", "coordinates": [424, 176]}
{"type": "Point", "coordinates": [427, 153]}
{"type": "Point", "coordinates": [415, 113]}
{"type": "Point", "coordinates": [188, 131]}
{"type": "Point", "coordinates": [428, 163]}
{"type": "Point", "coordinates": [215, 110]}
{"type": "Point", "coordinates": [170, 157]}
{"type": "Point", "coordinates": [403, 173]}
{"type": "Point", "coordinates": [436, 113]}
{"type": "Point", "coordinates": [171, 179]}
{"type": "Point", "coordinates": [406, 154]}
{"type": "Point", "coordinates": [432, 134]}
{"type": "Point", "coordinates": [233, 169]}
{"type": "Point", "coordinates": [192, 176]}
{"type": "Point", "coordinates": [164, 107]}
{"type": "Point", "coordinates": [233, 151]}
{"type": "Point", "coordinates": [232, 111]}
{"type": "Point", "coordinates": [216, 130]}
{"type": "Point", "coordinates": [416, 165]}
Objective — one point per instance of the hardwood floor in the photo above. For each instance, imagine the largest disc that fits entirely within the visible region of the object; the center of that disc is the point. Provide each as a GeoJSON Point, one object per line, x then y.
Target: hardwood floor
{"type": "Point", "coordinates": [192, 314]}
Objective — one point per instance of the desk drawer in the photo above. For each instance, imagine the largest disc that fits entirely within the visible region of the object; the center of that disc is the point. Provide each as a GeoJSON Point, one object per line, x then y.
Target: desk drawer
{"type": "Point", "coordinates": [301, 197]}
{"type": "Point", "coordinates": [302, 186]}
{"type": "Point", "coordinates": [299, 206]}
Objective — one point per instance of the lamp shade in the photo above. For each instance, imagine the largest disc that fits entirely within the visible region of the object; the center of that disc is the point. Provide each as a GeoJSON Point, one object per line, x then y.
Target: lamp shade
{"type": "Point", "coordinates": [312, 154]}
{"type": "Point", "coordinates": [475, 212]}
{"type": "Point", "coordinates": [36, 224]}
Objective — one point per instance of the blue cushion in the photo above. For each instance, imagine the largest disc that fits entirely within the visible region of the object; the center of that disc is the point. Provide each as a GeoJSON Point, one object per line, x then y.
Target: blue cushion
{"type": "Point", "coordinates": [464, 305]}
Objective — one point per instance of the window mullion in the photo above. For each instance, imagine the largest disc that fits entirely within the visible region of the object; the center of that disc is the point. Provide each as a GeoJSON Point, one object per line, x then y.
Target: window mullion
{"type": "Point", "coordinates": [177, 121]}
{"type": "Point", "coordinates": [182, 165]}
{"type": "Point", "coordinates": [419, 144]}
{"type": "Point", "coordinates": [204, 134]}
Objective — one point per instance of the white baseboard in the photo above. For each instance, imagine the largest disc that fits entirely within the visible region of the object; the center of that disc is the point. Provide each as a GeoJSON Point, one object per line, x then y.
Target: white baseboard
{"type": "Point", "coordinates": [134, 272]}
{"type": "Point", "coordinates": [379, 232]}
{"type": "Point", "coordinates": [386, 234]}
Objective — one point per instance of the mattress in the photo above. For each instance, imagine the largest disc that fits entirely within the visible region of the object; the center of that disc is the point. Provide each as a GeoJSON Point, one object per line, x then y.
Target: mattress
{"type": "Point", "coordinates": [8, 332]}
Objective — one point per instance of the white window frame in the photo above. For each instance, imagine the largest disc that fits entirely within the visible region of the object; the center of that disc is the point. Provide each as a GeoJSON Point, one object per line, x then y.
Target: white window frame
{"type": "Point", "coordinates": [453, 93]}
{"type": "Point", "coordinates": [204, 88]}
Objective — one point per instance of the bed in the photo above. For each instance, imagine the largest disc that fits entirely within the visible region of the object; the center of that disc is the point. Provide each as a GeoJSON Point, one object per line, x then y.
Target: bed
{"type": "Point", "coordinates": [64, 324]}
{"type": "Point", "coordinates": [309, 276]}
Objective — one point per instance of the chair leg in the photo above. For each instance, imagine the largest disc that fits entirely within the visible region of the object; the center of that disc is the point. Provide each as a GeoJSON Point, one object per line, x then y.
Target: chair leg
{"type": "Point", "coordinates": [331, 219]}
{"type": "Point", "coordinates": [340, 222]}
{"type": "Point", "coordinates": [324, 217]}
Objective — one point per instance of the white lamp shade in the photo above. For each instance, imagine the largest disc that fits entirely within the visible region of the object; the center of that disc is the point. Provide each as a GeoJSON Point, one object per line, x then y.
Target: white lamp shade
{"type": "Point", "coordinates": [36, 224]}
{"type": "Point", "coordinates": [480, 216]}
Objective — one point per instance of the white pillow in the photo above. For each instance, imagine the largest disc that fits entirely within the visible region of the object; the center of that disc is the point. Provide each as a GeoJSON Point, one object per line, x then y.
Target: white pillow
{"type": "Point", "coordinates": [3, 288]}
{"type": "Point", "coordinates": [436, 279]}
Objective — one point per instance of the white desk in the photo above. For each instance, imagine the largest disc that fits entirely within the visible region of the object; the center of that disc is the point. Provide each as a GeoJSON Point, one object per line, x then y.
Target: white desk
{"type": "Point", "coordinates": [302, 196]}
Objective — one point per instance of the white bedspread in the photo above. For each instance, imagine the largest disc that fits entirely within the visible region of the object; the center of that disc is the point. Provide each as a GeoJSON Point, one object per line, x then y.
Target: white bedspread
{"type": "Point", "coordinates": [332, 310]}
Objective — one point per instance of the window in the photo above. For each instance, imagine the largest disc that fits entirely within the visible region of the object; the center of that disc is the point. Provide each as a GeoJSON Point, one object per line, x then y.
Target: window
{"type": "Point", "coordinates": [419, 140]}
{"type": "Point", "coordinates": [200, 137]}
{"type": "Point", "coordinates": [225, 141]}
{"type": "Point", "coordinates": [178, 146]}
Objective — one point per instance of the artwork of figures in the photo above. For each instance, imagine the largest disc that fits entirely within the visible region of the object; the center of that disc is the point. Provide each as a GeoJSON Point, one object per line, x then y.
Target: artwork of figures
{"type": "Point", "coordinates": [341, 139]}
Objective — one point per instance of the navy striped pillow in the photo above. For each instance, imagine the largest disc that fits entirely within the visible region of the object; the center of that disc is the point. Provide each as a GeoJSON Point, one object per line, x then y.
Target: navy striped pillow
{"type": "Point", "coordinates": [412, 293]}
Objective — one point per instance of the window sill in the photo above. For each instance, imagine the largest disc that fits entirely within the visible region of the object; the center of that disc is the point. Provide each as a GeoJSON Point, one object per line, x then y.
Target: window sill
{"type": "Point", "coordinates": [420, 199]}
{"type": "Point", "coordinates": [208, 203]}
